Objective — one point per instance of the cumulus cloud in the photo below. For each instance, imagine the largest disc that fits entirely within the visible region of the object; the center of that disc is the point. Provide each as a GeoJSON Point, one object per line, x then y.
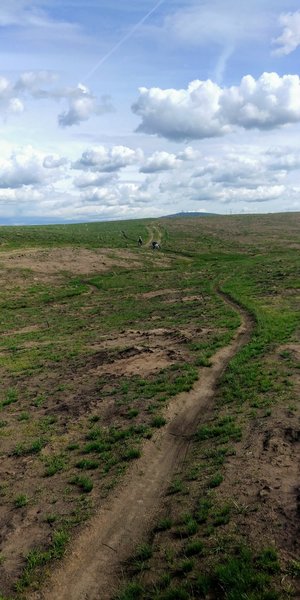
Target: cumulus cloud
{"type": "Point", "coordinates": [9, 101]}
{"type": "Point", "coordinates": [31, 81]}
{"type": "Point", "coordinates": [122, 198]}
{"type": "Point", "coordinates": [189, 154]}
{"type": "Point", "coordinates": [160, 161]}
{"type": "Point", "coordinates": [81, 103]}
{"type": "Point", "coordinates": [230, 176]}
{"type": "Point", "coordinates": [89, 179]}
{"type": "Point", "coordinates": [54, 161]}
{"type": "Point", "coordinates": [283, 159]}
{"type": "Point", "coordinates": [23, 168]}
{"type": "Point", "coordinates": [289, 40]}
{"type": "Point", "coordinates": [237, 171]}
{"type": "Point", "coordinates": [102, 159]}
{"type": "Point", "coordinates": [207, 110]}
{"type": "Point", "coordinates": [181, 114]}
{"type": "Point", "coordinates": [259, 194]}
{"type": "Point", "coordinates": [47, 185]}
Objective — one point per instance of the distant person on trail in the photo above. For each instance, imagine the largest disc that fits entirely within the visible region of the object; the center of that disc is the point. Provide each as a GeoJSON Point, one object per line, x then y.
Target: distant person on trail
{"type": "Point", "coordinates": [155, 245]}
{"type": "Point", "coordinates": [140, 241]}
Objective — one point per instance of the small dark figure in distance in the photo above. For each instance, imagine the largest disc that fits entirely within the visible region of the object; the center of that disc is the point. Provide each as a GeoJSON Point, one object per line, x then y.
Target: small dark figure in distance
{"type": "Point", "coordinates": [155, 245]}
{"type": "Point", "coordinates": [140, 241]}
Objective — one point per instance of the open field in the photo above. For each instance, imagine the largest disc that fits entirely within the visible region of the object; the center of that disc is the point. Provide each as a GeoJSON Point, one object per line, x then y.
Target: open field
{"type": "Point", "coordinates": [150, 431]}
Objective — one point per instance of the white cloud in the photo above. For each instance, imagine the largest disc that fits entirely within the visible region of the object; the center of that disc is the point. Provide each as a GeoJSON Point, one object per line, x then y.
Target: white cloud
{"type": "Point", "coordinates": [20, 12]}
{"type": "Point", "coordinates": [31, 81]}
{"type": "Point", "coordinates": [181, 114]}
{"type": "Point", "coordinates": [9, 102]}
{"type": "Point", "coordinates": [117, 202]}
{"type": "Point", "coordinates": [217, 22]}
{"type": "Point", "coordinates": [160, 161]}
{"type": "Point", "coordinates": [86, 180]}
{"type": "Point", "coordinates": [289, 40]}
{"type": "Point", "coordinates": [54, 161]}
{"type": "Point", "coordinates": [283, 159]}
{"type": "Point", "coordinates": [206, 110]}
{"type": "Point", "coordinates": [101, 159]}
{"type": "Point", "coordinates": [23, 168]}
{"type": "Point", "coordinates": [218, 27]}
{"type": "Point", "coordinates": [46, 186]}
{"type": "Point", "coordinates": [30, 16]}
{"type": "Point", "coordinates": [82, 104]}
{"type": "Point", "coordinates": [235, 170]}
{"type": "Point", "coordinates": [188, 154]}
{"type": "Point", "coordinates": [259, 194]}
{"type": "Point", "coordinates": [21, 195]}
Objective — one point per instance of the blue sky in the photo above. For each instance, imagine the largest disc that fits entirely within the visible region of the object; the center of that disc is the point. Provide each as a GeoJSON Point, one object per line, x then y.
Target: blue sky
{"type": "Point", "coordinates": [126, 110]}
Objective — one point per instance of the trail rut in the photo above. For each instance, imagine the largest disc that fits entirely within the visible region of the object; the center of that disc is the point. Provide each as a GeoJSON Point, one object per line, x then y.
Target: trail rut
{"type": "Point", "coordinates": [90, 571]}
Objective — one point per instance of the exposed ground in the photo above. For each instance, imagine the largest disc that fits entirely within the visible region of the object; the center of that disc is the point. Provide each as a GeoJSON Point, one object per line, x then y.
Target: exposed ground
{"type": "Point", "coordinates": [117, 414]}
{"type": "Point", "coordinates": [92, 569]}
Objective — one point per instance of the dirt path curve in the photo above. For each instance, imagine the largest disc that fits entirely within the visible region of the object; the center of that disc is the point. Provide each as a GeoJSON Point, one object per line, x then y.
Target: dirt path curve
{"type": "Point", "coordinates": [91, 571]}
{"type": "Point", "coordinates": [154, 234]}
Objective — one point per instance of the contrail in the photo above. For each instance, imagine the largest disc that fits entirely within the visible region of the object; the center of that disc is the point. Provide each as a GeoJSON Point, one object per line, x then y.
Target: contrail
{"type": "Point", "coordinates": [123, 40]}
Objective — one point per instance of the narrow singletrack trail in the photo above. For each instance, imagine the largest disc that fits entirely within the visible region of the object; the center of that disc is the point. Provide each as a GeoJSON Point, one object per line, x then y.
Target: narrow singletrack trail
{"type": "Point", "coordinates": [91, 570]}
{"type": "Point", "coordinates": [154, 234]}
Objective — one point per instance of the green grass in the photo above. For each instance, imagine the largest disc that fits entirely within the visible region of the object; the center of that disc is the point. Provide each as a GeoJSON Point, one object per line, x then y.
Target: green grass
{"type": "Point", "coordinates": [194, 548]}
{"type": "Point", "coordinates": [87, 464]}
{"type": "Point", "coordinates": [93, 235]}
{"type": "Point", "coordinates": [242, 575]}
{"type": "Point", "coordinates": [54, 464]}
{"type": "Point", "coordinates": [176, 486]}
{"type": "Point", "coordinates": [158, 422]}
{"type": "Point", "coordinates": [223, 430]}
{"type": "Point", "coordinates": [83, 482]}
{"type": "Point", "coordinates": [34, 447]}
{"type": "Point", "coordinates": [21, 500]}
{"type": "Point", "coordinates": [132, 591]}
{"type": "Point", "coordinates": [38, 558]}
{"type": "Point", "coordinates": [164, 524]}
{"type": "Point", "coordinates": [257, 280]}
{"type": "Point", "coordinates": [52, 399]}
{"type": "Point", "coordinates": [131, 454]}
{"type": "Point", "coordinates": [10, 398]}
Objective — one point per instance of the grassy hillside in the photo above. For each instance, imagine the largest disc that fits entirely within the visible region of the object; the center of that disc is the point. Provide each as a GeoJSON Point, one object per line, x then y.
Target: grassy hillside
{"type": "Point", "coordinates": [97, 337]}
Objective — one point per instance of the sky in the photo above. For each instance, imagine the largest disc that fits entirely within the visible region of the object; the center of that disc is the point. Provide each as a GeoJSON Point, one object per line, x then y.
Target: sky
{"type": "Point", "coordinates": [119, 110]}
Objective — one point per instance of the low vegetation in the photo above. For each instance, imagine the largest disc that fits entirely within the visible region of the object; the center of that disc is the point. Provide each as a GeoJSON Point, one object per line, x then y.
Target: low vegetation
{"type": "Point", "coordinates": [92, 351]}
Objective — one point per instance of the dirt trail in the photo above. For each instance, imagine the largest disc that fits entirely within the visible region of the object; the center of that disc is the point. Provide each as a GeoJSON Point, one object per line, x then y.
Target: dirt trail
{"type": "Point", "coordinates": [92, 570]}
{"type": "Point", "coordinates": [154, 234]}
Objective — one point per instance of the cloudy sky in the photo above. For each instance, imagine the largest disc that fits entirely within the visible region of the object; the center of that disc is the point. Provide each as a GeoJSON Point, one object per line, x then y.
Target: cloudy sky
{"type": "Point", "coordinates": [113, 109]}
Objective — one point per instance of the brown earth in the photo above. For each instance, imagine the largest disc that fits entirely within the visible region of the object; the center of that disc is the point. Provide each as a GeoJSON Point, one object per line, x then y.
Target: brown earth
{"type": "Point", "coordinates": [264, 474]}
{"type": "Point", "coordinates": [131, 352]}
{"type": "Point", "coordinates": [91, 570]}
{"type": "Point", "coordinates": [71, 260]}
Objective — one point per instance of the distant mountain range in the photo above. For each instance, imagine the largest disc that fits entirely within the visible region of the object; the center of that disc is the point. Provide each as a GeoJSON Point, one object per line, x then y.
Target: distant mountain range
{"type": "Point", "coordinates": [190, 214]}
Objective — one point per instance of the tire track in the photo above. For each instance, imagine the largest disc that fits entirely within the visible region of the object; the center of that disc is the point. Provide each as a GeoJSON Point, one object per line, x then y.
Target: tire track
{"type": "Point", "coordinates": [154, 232]}
{"type": "Point", "coordinates": [90, 571]}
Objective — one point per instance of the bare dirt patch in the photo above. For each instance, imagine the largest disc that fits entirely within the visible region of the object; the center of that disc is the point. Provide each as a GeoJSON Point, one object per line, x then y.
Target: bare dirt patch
{"type": "Point", "coordinates": [158, 293]}
{"type": "Point", "coordinates": [67, 392]}
{"type": "Point", "coordinates": [272, 487]}
{"type": "Point", "coordinates": [145, 352]}
{"type": "Point", "coordinates": [72, 260]}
